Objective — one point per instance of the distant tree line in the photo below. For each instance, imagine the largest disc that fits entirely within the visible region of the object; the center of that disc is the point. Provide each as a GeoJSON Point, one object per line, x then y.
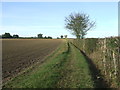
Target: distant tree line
{"type": "Point", "coordinates": [41, 36]}
{"type": "Point", "coordinates": [7, 35]}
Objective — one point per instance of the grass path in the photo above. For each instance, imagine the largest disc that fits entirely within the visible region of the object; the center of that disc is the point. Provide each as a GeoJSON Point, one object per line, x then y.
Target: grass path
{"type": "Point", "coordinates": [66, 68]}
{"type": "Point", "coordinates": [76, 73]}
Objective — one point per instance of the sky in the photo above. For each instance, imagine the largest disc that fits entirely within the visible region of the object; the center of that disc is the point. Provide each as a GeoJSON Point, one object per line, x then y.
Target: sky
{"type": "Point", "coordinates": [27, 19]}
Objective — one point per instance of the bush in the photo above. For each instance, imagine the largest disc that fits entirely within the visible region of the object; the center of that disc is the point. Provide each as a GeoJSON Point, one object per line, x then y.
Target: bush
{"type": "Point", "coordinates": [6, 35]}
{"type": "Point", "coordinates": [15, 36]}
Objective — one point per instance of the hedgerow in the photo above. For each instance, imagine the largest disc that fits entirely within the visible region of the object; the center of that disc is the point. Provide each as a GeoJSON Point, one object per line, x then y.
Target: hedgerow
{"type": "Point", "coordinates": [105, 53]}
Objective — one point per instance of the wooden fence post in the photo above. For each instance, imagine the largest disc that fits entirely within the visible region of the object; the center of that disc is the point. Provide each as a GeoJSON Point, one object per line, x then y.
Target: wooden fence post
{"type": "Point", "coordinates": [104, 52]}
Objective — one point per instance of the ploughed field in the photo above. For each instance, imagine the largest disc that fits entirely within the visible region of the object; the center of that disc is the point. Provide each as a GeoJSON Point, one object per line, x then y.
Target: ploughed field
{"type": "Point", "coordinates": [18, 54]}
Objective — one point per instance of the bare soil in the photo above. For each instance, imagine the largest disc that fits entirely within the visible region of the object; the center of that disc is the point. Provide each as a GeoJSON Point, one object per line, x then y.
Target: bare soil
{"type": "Point", "coordinates": [18, 54]}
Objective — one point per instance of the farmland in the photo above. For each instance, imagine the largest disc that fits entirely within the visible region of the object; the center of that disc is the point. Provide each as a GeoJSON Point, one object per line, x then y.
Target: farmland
{"type": "Point", "coordinates": [60, 45]}
{"type": "Point", "coordinates": [19, 54]}
{"type": "Point", "coordinates": [63, 63]}
{"type": "Point", "coordinates": [65, 68]}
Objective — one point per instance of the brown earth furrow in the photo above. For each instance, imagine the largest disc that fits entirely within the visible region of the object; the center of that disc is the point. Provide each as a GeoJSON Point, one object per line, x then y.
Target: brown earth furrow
{"type": "Point", "coordinates": [21, 53]}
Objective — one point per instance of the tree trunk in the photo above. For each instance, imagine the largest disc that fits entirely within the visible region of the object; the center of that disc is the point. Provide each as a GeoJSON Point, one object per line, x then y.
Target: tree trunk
{"type": "Point", "coordinates": [78, 36]}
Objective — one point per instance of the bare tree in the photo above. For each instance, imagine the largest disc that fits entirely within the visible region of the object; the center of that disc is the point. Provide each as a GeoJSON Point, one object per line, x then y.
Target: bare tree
{"type": "Point", "coordinates": [79, 24]}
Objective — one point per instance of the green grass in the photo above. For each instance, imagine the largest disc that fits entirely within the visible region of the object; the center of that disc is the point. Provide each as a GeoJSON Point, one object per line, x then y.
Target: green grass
{"type": "Point", "coordinates": [76, 73]}
{"type": "Point", "coordinates": [83, 79]}
{"type": "Point", "coordinates": [66, 68]}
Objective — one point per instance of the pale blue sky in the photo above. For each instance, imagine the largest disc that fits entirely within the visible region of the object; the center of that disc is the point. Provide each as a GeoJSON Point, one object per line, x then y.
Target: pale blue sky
{"type": "Point", "coordinates": [30, 19]}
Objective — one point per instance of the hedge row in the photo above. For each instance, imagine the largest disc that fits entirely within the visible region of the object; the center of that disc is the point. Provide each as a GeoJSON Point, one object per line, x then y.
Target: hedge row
{"type": "Point", "coordinates": [105, 53]}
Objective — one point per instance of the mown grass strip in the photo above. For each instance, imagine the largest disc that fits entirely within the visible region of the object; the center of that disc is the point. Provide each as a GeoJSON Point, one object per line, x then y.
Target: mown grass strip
{"type": "Point", "coordinates": [76, 73]}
